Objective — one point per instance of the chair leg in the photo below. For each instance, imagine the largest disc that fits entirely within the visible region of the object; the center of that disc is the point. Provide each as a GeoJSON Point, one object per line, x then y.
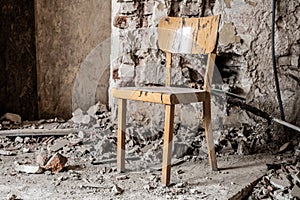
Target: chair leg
{"type": "Point", "coordinates": [167, 149]}
{"type": "Point", "coordinates": [209, 134]}
{"type": "Point", "coordinates": [121, 135]}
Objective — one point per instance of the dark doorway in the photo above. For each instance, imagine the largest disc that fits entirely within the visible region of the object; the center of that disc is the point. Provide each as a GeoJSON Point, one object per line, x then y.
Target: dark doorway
{"type": "Point", "coordinates": [18, 81]}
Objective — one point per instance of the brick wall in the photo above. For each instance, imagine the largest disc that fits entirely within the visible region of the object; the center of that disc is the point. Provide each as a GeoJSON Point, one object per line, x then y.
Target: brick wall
{"type": "Point", "coordinates": [244, 56]}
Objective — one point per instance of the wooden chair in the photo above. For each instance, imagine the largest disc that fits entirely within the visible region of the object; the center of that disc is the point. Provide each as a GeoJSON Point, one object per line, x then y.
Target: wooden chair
{"type": "Point", "coordinates": [175, 35]}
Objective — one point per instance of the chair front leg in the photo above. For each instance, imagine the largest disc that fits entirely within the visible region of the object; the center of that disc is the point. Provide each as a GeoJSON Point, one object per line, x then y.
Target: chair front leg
{"type": "Point", "coordinates": [167, 149]}
{"type": "Point", "coordinates": [121, 134]}
{"type": "Point", "coordinates": [208, 133]}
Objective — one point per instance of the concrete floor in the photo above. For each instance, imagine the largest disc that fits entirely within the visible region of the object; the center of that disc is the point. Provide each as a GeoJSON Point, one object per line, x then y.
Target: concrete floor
{"type": "Point", "coordinates": [236, 172]}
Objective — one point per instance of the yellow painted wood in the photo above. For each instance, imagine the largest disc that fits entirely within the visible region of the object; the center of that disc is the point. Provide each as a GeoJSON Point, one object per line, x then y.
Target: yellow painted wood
{"type": "Point", "coordinates": [168, 68]}
{"type": "Point", "coordinates": [208, 134]}
{"type": "Point", "coordinates": [167, 34]}
{"type": "Point", "coordinates": [188, 35]}
{"type": "Point", "coordinates": [167, 149]}
{"type": "Point", "coordinates": [207, 34]}
{"type": "Point", "coordinates": [192, 38]}
{"type": "Point", "coordinates": [121, 135]}
{"type": "Point", "coordinates": [209, 71]}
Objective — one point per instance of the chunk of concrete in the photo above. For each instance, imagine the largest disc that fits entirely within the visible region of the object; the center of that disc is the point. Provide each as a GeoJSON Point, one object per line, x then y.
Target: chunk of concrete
{"type": "Point", "coordinates": [7, 153]}
{"type": "Point", "coordinates": [117, 190]}
{"type": "Point", "coordinates": [59, 144]}
{"type": "Point", "coordinates": [283, 183]}
{"type": "Point", "coordinates": [180, 150]}
{"type": "Point", "coordinates": [284, 147]}
{"type": "Point", "coordinates": [86, 119]}
{"type": "Point", "coordinates": [81, 134]}
{"type": "Point", "coordinates": [295, 191]}
{"type": "Point", "coordinates": [41, 159]}
{"type": "Point", "coordinates": [56, 163]}
{"type": "Point", "coordinates": [19, 140]}
{"type": "Point", "coordinates": [28, 169]}
{"type": "Point", "coordinates": [243, 148]}
{"type": "Point", "coordinates": [26, 150]}
{"type": "Point", "coordinates": [296, 177]}
{"type": "Point", "coordinates": [12, 117]}
{"type": "Point", "coordinates": [12, 197]}
{"type": "Point", "coordinates": [93, 110]}
{"type": "Point", "coordinates": [77, 116]}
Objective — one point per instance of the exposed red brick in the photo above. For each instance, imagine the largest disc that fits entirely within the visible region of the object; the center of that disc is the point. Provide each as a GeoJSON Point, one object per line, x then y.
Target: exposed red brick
{"type": "Point", "coordinates": [121, 22]}
{"type": "Point", "coordinates": [116, 74]}
{"type": "Point", "coordinates": [56, 163]}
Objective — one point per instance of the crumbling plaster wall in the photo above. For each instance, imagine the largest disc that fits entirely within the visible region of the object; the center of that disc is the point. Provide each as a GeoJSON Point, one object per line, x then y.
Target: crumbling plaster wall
{"type": "Point", "coordinates": [73, 38]}
{"type": "Point", "coordinates": [245, 39]}
{"type": "Point", "coordinates": [244, 56]}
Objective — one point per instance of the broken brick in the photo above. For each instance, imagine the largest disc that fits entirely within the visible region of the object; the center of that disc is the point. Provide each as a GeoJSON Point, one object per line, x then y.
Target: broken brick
{"type": "Point", "coordinates": [56, 163]}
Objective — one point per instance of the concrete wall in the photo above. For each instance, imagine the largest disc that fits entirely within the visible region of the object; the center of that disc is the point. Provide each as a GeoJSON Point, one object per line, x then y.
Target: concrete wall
{"type": "Point", "coordinates": [244, 56]}
{"type": "Point", "coordinates": [73, 38]}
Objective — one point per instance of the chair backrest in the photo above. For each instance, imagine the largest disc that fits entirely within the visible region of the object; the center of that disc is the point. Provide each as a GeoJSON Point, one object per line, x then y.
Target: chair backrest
{"type": "Point", "coordinates": [189, 36]}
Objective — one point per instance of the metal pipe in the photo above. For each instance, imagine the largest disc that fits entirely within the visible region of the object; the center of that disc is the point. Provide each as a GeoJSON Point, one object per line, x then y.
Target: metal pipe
{"type": "Point", "coordinates": [274, 62]}
{"type": "Point", "coordinates": [286, 124]}
{"type": "Point", "coordinates": [228, 93]}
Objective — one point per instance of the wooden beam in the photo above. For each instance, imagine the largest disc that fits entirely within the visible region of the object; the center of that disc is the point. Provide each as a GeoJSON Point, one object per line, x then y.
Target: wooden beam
{"type": "Point", "coordinates": [167, 149]}
{"type": "Point", "coordinates": [37, 132]}
{"type": "Point", "coordinates": [121, 134]}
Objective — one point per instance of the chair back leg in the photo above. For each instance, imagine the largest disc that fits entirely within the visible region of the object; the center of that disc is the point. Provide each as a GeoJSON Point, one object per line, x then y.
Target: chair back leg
{"type": "Point", "coordinates": [167, 149]}
{"type": "Point", "coordinates": [208, 133]}
{"type": "Point", "coordinates": [121, 135]}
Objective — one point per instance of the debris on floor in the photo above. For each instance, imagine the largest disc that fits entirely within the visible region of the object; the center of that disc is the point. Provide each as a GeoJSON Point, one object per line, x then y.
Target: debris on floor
{"type": "Point", "coordinates": [91, 142]}
{"type": "Point", "coordinates": [7, 153]}
{"type": "Point", "coordinates": [117, 190]}
{"type": "Point", "coordinates": [282, 180]}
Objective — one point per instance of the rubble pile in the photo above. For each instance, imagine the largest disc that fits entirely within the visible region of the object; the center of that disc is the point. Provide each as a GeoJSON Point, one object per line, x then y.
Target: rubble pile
{"type": "Point", "coordinates": [143, 142]}
{"type": "Point", "coordinates": [247, 140]}
{"type": "Point", "coordinates": [11, 121]}
{"type": "Point", "coordinates": [93, 136]}
{"type": "Point", "coordinates": [282, 181]}
{"type": "Point", "coordinates": [93, 141]}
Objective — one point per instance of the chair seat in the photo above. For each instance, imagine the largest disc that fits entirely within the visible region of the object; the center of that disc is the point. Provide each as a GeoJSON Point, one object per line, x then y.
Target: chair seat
{"type": "Point", "coordinates": [162, 95]}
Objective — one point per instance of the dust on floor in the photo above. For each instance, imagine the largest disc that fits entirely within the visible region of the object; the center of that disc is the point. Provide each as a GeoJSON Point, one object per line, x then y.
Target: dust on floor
{"type": "Point", "coordinates": [84, 180]}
